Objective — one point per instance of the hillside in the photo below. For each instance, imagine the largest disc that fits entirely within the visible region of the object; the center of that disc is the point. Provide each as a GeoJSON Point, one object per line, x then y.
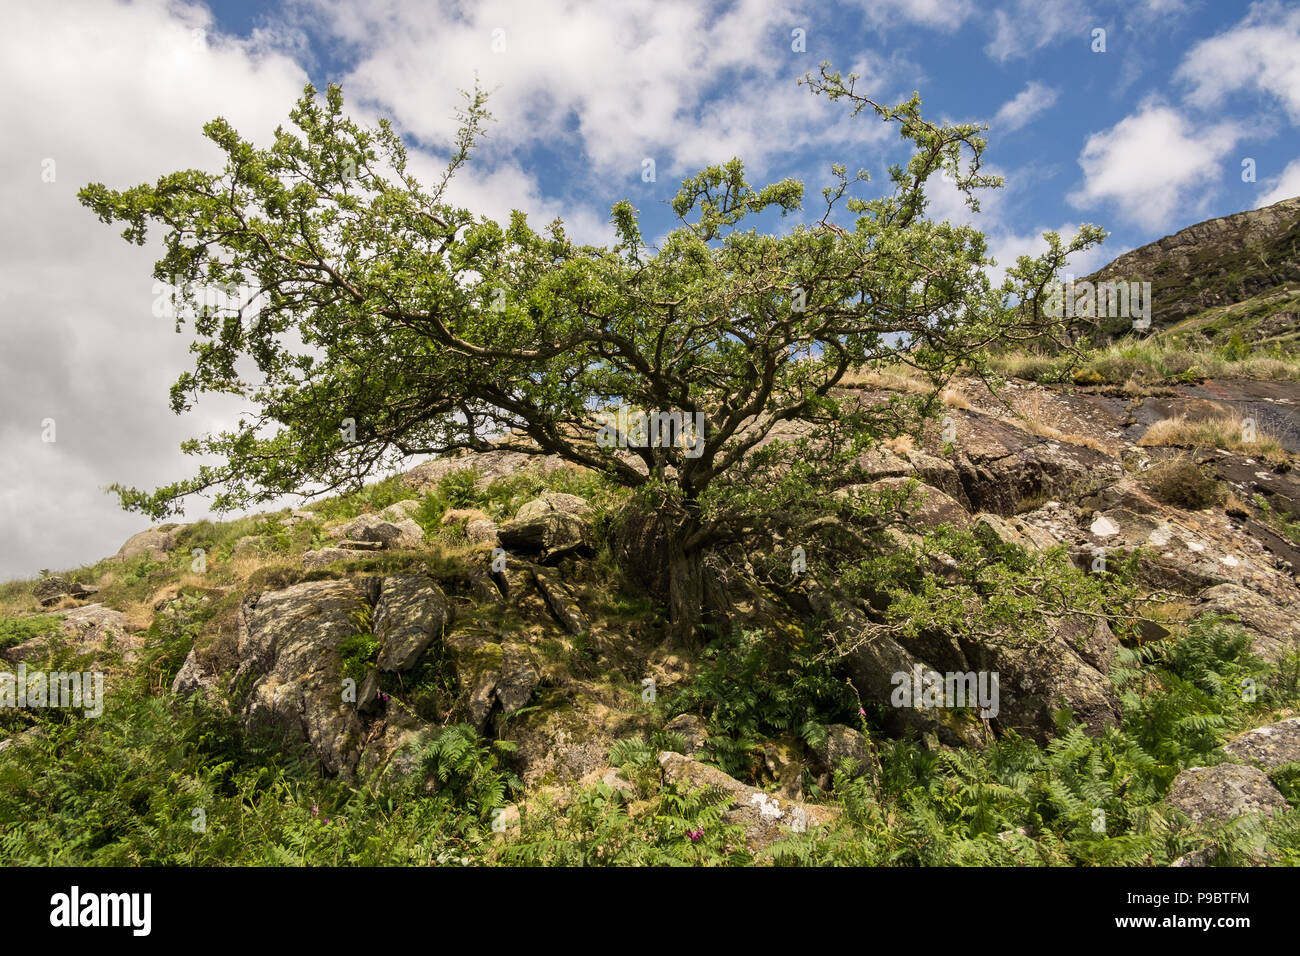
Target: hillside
{"type": "Point", "coordinates": [1235, 275]}
{"type": "Point", "coordinates": [479, 643]}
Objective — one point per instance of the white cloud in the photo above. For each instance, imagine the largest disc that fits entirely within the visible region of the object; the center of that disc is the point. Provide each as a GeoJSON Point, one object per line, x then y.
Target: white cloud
{"type": "Point", "coordinates": [1148, 166]}
{"type": "Point", "coordinates": [1286, 186]}
{"type": "Point", "coordinates": [1024, 106]}
{"type": "Point", "coordinates": [1030, 25]}
{"type": "Point", "coordinates": [117, 94]}
{"type": "Point", "coordinates": [1261, 53]}
{"type": "Point", "coordinates": [946, 15]}
{"type": "Point", "coordinates": [618, 82]}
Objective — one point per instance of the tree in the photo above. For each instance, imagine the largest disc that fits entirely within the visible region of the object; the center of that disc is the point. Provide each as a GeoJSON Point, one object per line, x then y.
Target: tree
{"type": "Point", "coordinates": [388, 323]}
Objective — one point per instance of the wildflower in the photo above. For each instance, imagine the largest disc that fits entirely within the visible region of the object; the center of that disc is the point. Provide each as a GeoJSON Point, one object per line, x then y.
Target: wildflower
{"type": "Point", "coordinates": [315, 810]}
{"type": "Point", "coordinates": [696, 835]}
{"type": "Point", "coordinates": [861, 712]}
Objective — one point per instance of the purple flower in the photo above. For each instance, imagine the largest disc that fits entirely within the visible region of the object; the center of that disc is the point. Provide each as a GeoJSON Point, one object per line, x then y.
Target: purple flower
{"type": "Point", "coordinates": [315, 811]}
{"type": "Point", "coordinates": [861, 712]}
{"type": "Point", "coordinates": [695, 835]}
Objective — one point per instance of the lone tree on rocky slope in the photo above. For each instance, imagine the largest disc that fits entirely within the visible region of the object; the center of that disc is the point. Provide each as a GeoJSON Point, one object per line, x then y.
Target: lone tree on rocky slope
{"type": "Point", "coordinates": [388, 323]}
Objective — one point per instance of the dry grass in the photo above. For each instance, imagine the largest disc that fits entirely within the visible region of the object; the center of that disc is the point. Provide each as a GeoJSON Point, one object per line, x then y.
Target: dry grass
{"type": "Point", "coordinates": [1227, 432]}
{"type": "Point", "coordinates": [900, 444]}
{"type": "Point", "coordinates": [897, 378]}
{"type": "Point", "coordinates": [955, 398]}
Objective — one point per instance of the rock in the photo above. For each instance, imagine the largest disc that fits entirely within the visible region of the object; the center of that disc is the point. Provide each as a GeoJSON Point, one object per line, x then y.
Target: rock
{"type": "Point", "coordinates": [482, 531]}
{"type": "Point", "coordinates": [925, 508]}
{"type": "Point", "coordinates": [410, 613]}
{"type": "Point", "coordinates": [400, 510]}
{"type": "Point", "coordinates": [1220, 793]}
{"type": "Point", "coordinates": [489, 466]}
{"type": "Point", "coordinates": [550, 503]}
{"type": "Point", "coordinates": [552, 536]}
{"type": "Point", "coordinates": [289, 652]}
{"type": "Point", "coordinates": [1274, 627]}
{"type": "Point", "coordinates": [1013, 531]}
{"type": "Point", "coordinates": [766, 818]}
{"type": "Point", "coordinates": [368, 692]}
{"type": "Point", "coordinates": [314, 560]}
{"type": "Point", "coordinates": [843, 742]}
{"type": "Point", "coordinates": [299, 516]}
{"type": "Point", "coordinates": [390, 534]}
{"type": "Point", "coordinates": [692, 729]}
{"type": "Point", "coordinates": [1036, 678]}
{"type": "Point", "coordinates": [92, 629]}
{"type": "Point", "coordinates": [348, 545]}
{"type": "Point", "coordinates": [195, 678]}
{"type": "Point", "coordinates": [1268, 747]}
{"type": "Point", "coordinates": [518, 678]}
{"type": "Point", "coordinates": [560, 601]}
{"type": "Point", "coordinates": [1205, 857]}
{"type": "Point", "coordinates": [156, 542]}
{"type": "Point", "coordinates": [48, 591]}
{"type": "Point", "coordinates": [1001, 466]}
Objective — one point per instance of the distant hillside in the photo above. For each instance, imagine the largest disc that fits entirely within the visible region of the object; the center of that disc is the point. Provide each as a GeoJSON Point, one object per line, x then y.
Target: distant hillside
{"type": "Point", "coordinates": [1236, 274]}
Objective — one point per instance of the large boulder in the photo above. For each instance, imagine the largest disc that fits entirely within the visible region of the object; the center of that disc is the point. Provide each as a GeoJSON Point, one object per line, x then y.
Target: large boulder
{"type": "Point", "coordinates": [155, 542]}
{"type": "Point", "coordinates": [403, 533]}
{"type": "Point", "coordinates": [290, 661]}
{"type": "Point", "coordinates": [1221, 793]}
{"type": "Point", "coordinates": [551, 536]}
{"type": "Point", "coordinates": [1268, 747]}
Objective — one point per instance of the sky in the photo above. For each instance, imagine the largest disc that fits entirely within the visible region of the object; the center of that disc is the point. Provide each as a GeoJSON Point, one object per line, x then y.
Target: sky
{"type": "Point", "coordinates": [1143, 117]}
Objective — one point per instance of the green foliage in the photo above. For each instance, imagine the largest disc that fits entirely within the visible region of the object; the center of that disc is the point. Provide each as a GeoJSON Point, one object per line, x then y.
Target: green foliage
{"type": "Point", "coordinates": [357, 655]}
{"type": "Point", "coordinates": [758, 685]}
{"type": "Point", "coordinates": [600, 828]}
{"type": "Point", "coordinates": [17, 630]}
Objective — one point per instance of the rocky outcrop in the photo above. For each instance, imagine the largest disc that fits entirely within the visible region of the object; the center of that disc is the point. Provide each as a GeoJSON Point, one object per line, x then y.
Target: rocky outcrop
{"type": "Point", "coordinates": [289, 651]}
{"type": "Point", "coordinates": [489, 466]}
{"type": "Point", "coordinates": [51, 590]}
{"type": "Point", "coordinates": [1212, 263]}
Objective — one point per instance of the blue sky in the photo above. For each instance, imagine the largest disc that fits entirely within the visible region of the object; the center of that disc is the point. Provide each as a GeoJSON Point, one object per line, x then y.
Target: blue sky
{"type": "Point", "coordinates": [1142, 139]}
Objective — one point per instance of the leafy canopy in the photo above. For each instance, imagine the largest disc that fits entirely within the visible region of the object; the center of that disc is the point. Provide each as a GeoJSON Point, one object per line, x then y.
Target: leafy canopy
{"type": "Point", "coordinates": [388, 322]}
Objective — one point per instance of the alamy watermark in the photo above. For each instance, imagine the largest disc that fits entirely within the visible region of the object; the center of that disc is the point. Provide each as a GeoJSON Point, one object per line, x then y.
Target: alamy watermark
{"type": "Point", "coordinates": [179, 299]}
{"type": "Point", "coordinates": [628, 428]}
{"type": "Point", "coordinates": [53, 689]}
{"type": "Point", "coordinates": [928, 689]}
{"type": "Point", "coordinates": [1112, 300]}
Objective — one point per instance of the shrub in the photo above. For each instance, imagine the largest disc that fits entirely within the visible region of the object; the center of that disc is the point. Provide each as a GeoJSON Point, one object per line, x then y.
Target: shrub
{"type": "Point", "coordinates": [1181, 482]}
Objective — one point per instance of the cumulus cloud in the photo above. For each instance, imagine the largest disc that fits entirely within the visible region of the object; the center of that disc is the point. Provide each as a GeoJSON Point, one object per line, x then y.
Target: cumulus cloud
{"type": "Point", "coordinates": [616, 83]}
{"type": "Point", "coordinates": [1260, 54]}
{"type": "Point", "coordinates": [115, 94]}
{"type": "Point", "coordinates": [1286, 186]}
{"type": "Point", "coordinates": [1151, 164]}
{"type": "Point", "coordinates": [1024, 106]}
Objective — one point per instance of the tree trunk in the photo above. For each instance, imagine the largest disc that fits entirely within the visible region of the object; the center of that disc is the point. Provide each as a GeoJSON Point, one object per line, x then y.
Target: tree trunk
{"type": "Point", "coordinates": [685, 597]}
